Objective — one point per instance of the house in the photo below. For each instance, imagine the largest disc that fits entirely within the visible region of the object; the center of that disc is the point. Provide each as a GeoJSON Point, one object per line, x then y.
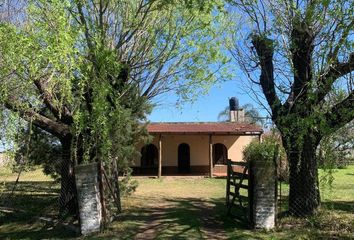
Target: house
{"type": "Point", "coordinates": [198, 148]}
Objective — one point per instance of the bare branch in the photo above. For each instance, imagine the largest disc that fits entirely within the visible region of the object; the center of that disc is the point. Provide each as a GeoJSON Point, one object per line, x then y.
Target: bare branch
{"type": "Point", "coordinates": [341, 113]}
{"type": "Point", "coordinates": [326, 79]}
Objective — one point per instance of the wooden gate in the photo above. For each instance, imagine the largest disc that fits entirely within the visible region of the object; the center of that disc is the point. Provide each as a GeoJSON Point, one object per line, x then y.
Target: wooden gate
{"type": "Point", "coordinates": [239, 191]}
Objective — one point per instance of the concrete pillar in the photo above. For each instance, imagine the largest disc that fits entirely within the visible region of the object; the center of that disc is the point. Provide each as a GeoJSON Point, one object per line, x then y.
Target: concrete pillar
{"type": "Point", "coordinates": [264, 194]}
{"type": "Point", "coordinates": [89, 198]}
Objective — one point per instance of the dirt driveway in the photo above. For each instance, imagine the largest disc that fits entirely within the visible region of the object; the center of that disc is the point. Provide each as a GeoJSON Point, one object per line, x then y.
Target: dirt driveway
{"type": "Point", "coordinates": [177, 208]}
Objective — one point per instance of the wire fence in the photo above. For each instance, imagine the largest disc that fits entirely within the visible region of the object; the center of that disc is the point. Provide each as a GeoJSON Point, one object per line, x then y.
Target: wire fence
{"type": "Point", "coordinates": [33, 192]}
{"type": "Point", "coordinates": [302, 198]}
{"type": "Point", "coordinates": [283, 187]}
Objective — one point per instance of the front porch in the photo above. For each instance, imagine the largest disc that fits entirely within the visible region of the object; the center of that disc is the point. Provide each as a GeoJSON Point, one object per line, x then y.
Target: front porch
{"type": "Point", "coordinates": [218, 171]}
{"type": "Point", "coordinates": [193, 148]}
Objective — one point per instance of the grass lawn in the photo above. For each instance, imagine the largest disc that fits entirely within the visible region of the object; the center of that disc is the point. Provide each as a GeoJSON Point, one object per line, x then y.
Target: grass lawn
{"type": "Point", "coordinates": [175, 208]}
{"type": "Point", "coordinates": [35, 196]}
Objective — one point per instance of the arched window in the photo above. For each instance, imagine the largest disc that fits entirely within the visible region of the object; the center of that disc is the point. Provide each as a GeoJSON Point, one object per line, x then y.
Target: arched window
{"type": "Point", "coordinates": [184, 158]}
{"type": "Point", "coordinates": [219, 154]}
{"type": "Point", "coordinates": [149, 156]}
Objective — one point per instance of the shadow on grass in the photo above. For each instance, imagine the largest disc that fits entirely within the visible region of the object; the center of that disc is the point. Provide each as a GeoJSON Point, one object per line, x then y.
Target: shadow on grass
{"type": "Point", "coordinates": [333, 221]}
{"type": "Point", "coordinates": [191, 218]}
{"type": "Point", "coordinates": [20, 211]}
{"type": "Point", "coordinates": [182, 218]}
{"type": "Point", "coordinates": [151, 218]}
{"type": "Point", "coordinates": [32, 197]}
{"type": "Point", "coordinates": [34, 230]}
{"type": "Point", "coordinates": [27, 187]}
{"type": "Point", "coordinates": [346, 206]}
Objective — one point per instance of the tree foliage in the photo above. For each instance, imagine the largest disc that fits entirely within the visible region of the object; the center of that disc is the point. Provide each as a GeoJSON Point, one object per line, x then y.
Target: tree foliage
{"type": "Point", "coordinates": [85, 71]}
{"type": "Point", "coordinates": [38, 148]}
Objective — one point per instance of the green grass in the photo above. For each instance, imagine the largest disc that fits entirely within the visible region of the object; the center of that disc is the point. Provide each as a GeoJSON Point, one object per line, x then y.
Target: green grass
{"type": "Point", "coordinates": [342, 188]}
{"type": "Point", "coordinates": [34, 196]}
{"type": "Point", "coordinates": [37, 174]}
{"type": "Point", "coordinates": [176, 208]}
{"type": "Point", "coordinates": [186, 200]}
{"type": "Point", "coordinates": [335, 219]}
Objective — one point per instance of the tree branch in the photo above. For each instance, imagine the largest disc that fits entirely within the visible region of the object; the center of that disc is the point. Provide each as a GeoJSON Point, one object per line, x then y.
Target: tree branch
{"type": "Point", "coordinates": [333, 54]}
{"type": "Point", "coordinates": [327, 78]}
{"type": "Point", "coordinates": [265, 50]}
{"type": "Point", "coordinates": [341, 113]}
{"type": "Point", "coordinates": [302, 46]}
{"type": "Point", "coordinates": [63, 112]}
{"type": "Point", "coordinates": [57, 129]}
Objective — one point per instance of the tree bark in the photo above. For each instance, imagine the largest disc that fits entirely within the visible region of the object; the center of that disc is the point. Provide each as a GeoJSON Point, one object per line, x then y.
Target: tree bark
{"type": "Point", "coordinates": [304, 195]}
{"type": "Point", "coordinates": [68, 196]}
{"type": "Point", "coordinates": [115, 174]}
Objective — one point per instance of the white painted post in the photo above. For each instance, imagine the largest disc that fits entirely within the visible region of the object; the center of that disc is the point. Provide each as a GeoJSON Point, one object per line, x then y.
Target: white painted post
{"type": "Point", "coordinates": [210, 156]}
{"type": "Point", "coordinates": [160, 157]}
{"type": "Point", "coordinates": [90, 208]}
{"type": "Point", "coordinates": [264, 195]}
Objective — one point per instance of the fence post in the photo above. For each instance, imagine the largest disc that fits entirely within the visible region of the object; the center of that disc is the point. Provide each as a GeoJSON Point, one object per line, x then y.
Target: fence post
{"type": "Point", "coordinates": [89, 197]}
{"type": "Point", "coordinates": [275, 165]}
{"type": "Point", "coordinates": [263, 194]}
{"type": "Point", "coordinates": [228, 182]}
{"type": "Point", "coordinates": [250, 193]}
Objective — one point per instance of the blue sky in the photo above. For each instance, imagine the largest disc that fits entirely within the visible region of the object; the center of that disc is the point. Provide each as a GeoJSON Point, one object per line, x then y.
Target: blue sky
{"type": "Point", "coordinates": [205, 108]}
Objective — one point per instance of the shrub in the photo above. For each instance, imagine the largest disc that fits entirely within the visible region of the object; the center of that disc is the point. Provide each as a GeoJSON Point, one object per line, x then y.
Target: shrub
{"type": "Point", "coordinates": [264, 152]}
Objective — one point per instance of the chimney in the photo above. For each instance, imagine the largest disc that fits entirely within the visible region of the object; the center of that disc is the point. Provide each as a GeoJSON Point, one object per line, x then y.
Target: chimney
{"type": "Point", "coordinates": [236, 113]}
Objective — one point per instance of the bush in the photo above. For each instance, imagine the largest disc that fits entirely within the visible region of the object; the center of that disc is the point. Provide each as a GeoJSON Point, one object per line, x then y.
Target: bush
{"type": "Point", "coordinates": [260, 151]}
{"type": "Point", "coordinates": [264, 152]}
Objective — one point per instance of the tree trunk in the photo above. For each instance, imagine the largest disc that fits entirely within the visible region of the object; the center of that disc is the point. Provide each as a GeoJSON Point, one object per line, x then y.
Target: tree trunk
{"type": "Point", "coordinates": [304, 195]}
{"type": "Point", "coordinates": [116, 186]}
{"type": "Point", "coordinates": [68, 196]}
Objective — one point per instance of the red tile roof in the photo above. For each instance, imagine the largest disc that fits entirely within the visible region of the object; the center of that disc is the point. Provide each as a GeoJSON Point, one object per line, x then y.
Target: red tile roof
{"type": "Point", "coordinates": [203, 128]}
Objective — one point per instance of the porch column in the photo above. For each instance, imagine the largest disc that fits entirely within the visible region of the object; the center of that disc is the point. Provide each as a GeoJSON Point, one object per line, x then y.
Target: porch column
{"type": "Point", "coordinates": [210, 156]}
{"type": "Point", "coordinates": [160, 157]}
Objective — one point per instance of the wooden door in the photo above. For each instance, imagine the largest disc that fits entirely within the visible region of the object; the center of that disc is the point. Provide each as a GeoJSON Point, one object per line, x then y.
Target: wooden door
{"type": "Point", "coordinates": [183, 158]}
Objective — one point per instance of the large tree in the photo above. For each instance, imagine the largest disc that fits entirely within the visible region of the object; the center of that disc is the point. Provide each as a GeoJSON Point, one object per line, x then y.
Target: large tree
{"type": "Point", "coordinates": [84, 71]}
{"type": "Point", "coordinates": [296, 52]}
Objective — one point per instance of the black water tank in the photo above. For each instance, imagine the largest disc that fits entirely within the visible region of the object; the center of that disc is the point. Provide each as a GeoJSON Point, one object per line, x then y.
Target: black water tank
{"type": "Point", "coordinates": [234, 105]}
